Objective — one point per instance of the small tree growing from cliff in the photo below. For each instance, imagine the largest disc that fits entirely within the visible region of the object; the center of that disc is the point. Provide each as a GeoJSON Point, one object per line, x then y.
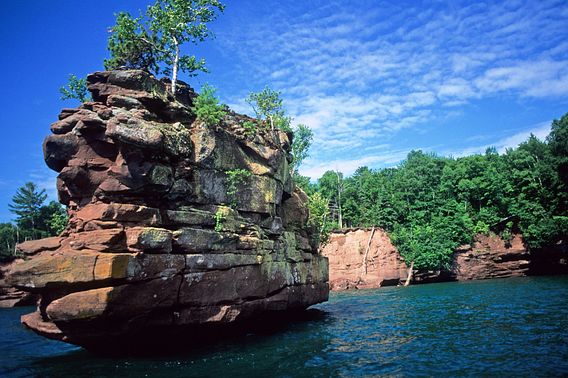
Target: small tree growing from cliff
{"type": "Point", "coordinates": [235, 177]}
{"type": "Point", "coordinates": [76, 89]}
{"type": "Point", "coordinates": [268, 105]}
{"type": "Point", "coordinates": [145, 42]}
{"type": "Point", "coordinates": [303, 137]}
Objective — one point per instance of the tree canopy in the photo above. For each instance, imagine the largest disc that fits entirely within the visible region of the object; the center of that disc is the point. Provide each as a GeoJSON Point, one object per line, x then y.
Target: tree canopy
{"type": "Point", "coordinates": [430, 205]}
{"type": "Point", "coordinates": [301, 143]}
{"type": "Point", "coordinates": [153, 41]}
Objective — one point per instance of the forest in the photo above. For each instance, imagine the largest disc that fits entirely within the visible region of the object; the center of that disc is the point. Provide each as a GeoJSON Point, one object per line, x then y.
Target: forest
{"type": "Point", "coordinates": [430, 205]}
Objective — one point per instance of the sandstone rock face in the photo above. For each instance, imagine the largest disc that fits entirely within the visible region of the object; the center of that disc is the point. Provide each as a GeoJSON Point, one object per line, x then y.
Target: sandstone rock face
{"type": "Point", "coordinates": [491, 257]}
{"type": "Point", "coordinates": [152, 242]}
{"type": "Point", "coordinates": [488, 257]}
{"type": "Point", "coordinates": [9, 296]}
{"type": "Point", "coordinates": [348, 268]}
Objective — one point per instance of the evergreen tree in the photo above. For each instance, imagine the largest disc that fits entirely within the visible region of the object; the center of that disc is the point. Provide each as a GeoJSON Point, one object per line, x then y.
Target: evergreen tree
{"type": "Point", "coordinates": [207, 108]}
{"type": "Point", "coordinates": [26, 204]}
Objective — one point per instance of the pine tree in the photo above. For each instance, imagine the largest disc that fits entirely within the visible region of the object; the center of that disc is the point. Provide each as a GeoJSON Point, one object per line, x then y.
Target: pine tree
{"type": "Point", "coordinates": [26, 204]}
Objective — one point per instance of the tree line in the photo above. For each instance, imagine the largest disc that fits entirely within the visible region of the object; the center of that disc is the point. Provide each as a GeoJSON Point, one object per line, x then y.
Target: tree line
{"type": "Point", "coordinates": [34, 220]}
{"type": "Point", "coordinates": [430, 205]}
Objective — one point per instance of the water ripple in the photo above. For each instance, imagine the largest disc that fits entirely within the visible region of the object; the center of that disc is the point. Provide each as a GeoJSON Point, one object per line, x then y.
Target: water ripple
{"type": "Point", "coordinates": [512, 327]}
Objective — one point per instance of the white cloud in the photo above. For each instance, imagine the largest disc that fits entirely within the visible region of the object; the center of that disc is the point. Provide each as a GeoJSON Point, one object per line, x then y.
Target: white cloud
{"type": "Point", "coordinates": [359, 75]}
{"type": "Point", "coordinates": [315, 169]}
{"type": "Point", "coordinates": [45, 179]}
{"type": "Point", "coordinates": [538, 78]}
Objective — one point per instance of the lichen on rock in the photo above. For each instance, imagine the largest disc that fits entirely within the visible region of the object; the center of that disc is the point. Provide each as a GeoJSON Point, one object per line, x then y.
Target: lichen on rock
{"type": "Point", "coordinates": [143, 181]}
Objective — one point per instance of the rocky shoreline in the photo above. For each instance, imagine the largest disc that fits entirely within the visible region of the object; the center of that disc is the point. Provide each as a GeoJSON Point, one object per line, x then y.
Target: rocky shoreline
{"type": "Point", "coordinates": [364, 258]}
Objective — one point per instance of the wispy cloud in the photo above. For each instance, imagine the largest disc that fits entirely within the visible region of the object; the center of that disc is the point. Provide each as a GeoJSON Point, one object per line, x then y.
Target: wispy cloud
{"type": "Point", "coordinates": [360, 74]}
{"type": "Point", "coordinates": [45, 179]}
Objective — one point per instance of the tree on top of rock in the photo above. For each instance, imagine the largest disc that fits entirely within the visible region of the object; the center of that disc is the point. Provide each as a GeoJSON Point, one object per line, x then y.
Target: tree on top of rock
{"type": "Point", "coordinates": [130, 45]}
{"type": "Point", "coordinates": [76, 89]}
{"type": "Point", "coordinates": [267, 104]}
{"type": "Point", "coordinates": [145, 42]}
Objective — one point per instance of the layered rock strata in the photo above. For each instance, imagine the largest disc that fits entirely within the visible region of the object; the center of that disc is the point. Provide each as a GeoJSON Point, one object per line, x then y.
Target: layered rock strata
{"type": "Point", "coordinates": [173, 223]}
{"type": "Point", "coordinates": [491, 257]}
{"type": "Point", "coordinates": [363, 259]}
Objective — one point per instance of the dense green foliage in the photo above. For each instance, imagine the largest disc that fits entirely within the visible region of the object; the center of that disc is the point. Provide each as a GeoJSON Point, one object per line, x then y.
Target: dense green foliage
{"type": "Point", "coordinates": [153, 41]}
{"type": "Point", "coordinates": [130, 45]}
{"type": "Point", "coordinates": [317, 220]}
{"type": "Point", "coordinates": [207, 107]}
{"type": "Point", "coordinates": [34, 220]}
{"type": "Point", "coordinates": [250, 127]}
{"type": "Point", "coordinates": [430, 205]}
{"type": "Point", "coordinates": [76, 89]}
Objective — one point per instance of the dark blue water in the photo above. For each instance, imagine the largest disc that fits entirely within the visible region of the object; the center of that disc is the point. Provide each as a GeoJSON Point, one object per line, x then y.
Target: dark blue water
{"type": "Point", "coordinates": [509, 327]}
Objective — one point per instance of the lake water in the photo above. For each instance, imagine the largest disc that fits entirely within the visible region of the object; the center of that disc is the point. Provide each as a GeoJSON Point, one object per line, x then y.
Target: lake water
{"type": "Point", "coordinates": [508, 327]}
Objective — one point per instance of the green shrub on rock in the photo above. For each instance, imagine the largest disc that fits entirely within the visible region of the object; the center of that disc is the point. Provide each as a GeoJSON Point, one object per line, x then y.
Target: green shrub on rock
{"type": "Point", "coordinates": [250, 128]}
{"type": "Point", "coordinates": [207, 107]}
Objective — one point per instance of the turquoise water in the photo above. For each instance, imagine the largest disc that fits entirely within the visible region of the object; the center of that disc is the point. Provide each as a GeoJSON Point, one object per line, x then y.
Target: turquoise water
{"type": "Point", "coordinates": [508, 327]}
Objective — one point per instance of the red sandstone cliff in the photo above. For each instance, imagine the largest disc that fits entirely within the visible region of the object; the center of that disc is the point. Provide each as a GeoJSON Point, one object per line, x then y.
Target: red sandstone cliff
{"type": "Point", "coordinates": [488, 257]}
{"type": "Point", "coordinates": [491, 257]}
{"type": "Point", "coordinates": [357, 261]}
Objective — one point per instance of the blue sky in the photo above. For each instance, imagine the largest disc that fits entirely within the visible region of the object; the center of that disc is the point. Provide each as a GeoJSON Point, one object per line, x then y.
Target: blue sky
{"type": "Point", "coordinates": [374, 79]}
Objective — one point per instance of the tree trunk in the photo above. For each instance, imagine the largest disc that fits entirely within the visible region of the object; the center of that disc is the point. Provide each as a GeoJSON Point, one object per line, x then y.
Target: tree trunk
{"type": "Point", "coordinates": [367, 250]}
{"type": "Point", "coordinates": [175, 67]}
{"type": "Point", "coordinates": [323, 224]}
{"type": "Point", "coordinates": [340, 217]}
{"type": "Point", "coordinates": [409, 276]}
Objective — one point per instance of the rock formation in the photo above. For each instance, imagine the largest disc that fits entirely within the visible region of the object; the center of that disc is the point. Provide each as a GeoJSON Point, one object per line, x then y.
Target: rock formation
{"type": "Point", "coordinates": [491, 257]}
{"type": "Point", "coordinates": [10, 296]}
{"type": "Point", "coordinates": [363, 259]}
{"type": "Point", "coordinates": [488, 257]}
{"type": "Point", "coordinates": [157, 239]}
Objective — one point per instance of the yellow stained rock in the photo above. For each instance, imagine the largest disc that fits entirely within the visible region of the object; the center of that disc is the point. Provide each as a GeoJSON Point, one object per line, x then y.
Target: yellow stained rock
{"type": "Point", "coordinates": [113, 266]}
